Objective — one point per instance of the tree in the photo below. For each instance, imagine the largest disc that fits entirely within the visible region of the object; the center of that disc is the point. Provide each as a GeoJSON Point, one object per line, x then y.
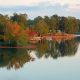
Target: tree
{"type": "Point", "coordinates": [47, 20]}
{"type": "Point", "coordinates": [4, 19]}
{"type": "Point", "coordinates": [21, 19]}
{"type": "Point", "coordinates": [62, 23]}
{"type": "Point", "coordinates": [37, 19]}
{"type": "Point", "coordinates": [41, 27]}
{"type": "Point", "coordinates": [71, 25]}
{"type": "Point", "coordinates": [54, 23]}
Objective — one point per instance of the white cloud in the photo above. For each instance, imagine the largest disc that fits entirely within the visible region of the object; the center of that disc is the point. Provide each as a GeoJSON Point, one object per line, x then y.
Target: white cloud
{"type": "Point", "coordinates": [33, 2]}
{"type": "Point", "coordinates": [72, 4]}
{"type": "Point", "coordinates": [63, 2]}
{"type": "Point", "coordinates": [20, 2]}
{"type": "Point", "coordinates": [74, 7]}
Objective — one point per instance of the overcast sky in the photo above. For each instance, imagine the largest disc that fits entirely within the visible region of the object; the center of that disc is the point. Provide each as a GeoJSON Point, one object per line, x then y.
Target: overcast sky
{"type": "Point", "coordinates": [41, 7]}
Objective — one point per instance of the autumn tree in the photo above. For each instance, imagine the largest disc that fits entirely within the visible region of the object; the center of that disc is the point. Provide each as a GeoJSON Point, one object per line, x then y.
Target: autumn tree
{"type": "Point", "coordinates": [21, 19]}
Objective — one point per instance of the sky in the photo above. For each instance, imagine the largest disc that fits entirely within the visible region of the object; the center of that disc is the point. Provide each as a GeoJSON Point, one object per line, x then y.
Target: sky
{"type": "Point", "coordinates": [36, 8]}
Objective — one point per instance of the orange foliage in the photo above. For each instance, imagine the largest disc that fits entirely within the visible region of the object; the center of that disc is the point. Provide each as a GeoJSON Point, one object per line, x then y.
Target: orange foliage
{"type": "Point", "coordinates": [13, 28]}
{"type": "Point", "coordinates": [16, 29]}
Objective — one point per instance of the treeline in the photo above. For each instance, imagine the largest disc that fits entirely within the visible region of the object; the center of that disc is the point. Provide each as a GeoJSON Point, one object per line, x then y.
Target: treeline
{"type": "Point", "coordinates": [55, 23]}
{"type": "Point", "coordinates": [13, 28]}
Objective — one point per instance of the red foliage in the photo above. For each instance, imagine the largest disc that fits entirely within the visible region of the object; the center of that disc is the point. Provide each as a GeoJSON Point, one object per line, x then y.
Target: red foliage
{"type": "Point", "coordinates": [30, 32]}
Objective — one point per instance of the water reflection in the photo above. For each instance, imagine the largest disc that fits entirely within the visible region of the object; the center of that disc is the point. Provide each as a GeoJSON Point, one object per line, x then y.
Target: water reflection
{"type": "Point", "coordinates": [55, 49]}
{"type": "Point", "coordinates": [16, 58]}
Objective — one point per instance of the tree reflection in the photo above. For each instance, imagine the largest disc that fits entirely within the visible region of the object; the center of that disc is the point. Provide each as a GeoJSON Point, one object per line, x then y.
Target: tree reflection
{"type": "Point", "coordinates": [14, 58]}
{"type": "Point", "coordinates": [57, 49]}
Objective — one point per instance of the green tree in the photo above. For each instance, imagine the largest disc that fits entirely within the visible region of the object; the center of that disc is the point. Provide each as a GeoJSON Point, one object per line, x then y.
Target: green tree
{"type": "Point", "coordinates": [21, 19]}
{"type": "Point", "coordinates": [54, 23]}
{"type": "Point", "coordinates": [71, 25]}
{"type": "Point", "coordinates": [62, 23]}
{"type": "Point", "coordinates": [41, 27]}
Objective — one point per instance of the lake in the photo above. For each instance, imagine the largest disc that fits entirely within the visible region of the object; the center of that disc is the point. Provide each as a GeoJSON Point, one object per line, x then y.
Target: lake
{"type": "Point", "coordinates": [49, 60]}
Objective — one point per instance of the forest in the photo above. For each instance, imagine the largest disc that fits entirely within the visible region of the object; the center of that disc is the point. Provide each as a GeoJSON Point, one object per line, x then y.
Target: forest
{"type": "Point", "coordinates": [17, 28]}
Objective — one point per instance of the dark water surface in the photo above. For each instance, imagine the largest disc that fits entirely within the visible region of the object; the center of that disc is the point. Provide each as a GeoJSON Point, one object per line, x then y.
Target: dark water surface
{"type": "Point", "coordinates": [50, 60]}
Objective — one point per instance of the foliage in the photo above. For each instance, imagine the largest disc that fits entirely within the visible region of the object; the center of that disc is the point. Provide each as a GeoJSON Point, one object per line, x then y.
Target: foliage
{"type": "Point", "coordinates": [13, 28]}
{"type": "Point", "coordinates": [40, 26]}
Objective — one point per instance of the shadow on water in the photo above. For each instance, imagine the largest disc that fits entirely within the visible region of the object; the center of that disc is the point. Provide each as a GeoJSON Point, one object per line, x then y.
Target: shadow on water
{"type": "Point", "coordinates": [16, 58]}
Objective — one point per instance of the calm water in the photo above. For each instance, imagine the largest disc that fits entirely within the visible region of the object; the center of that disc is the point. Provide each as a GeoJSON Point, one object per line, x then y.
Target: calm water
{"type": "Point", "coordinates": [50, 60]}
